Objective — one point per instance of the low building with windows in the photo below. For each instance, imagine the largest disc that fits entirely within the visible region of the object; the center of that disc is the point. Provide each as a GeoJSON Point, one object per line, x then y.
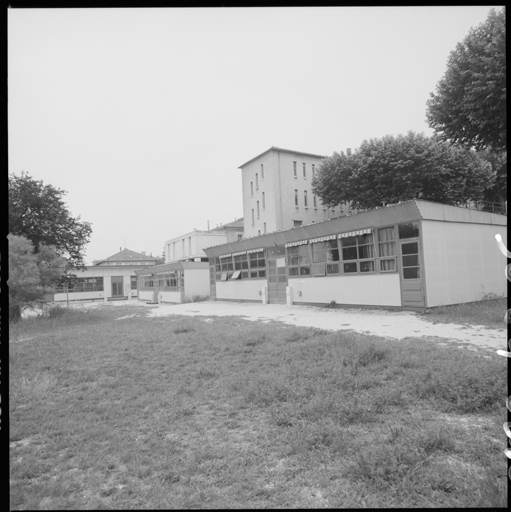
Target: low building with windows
{"type": "Point", "coordinates": [414, 254]}
{"type": "Point", "coordinates": [108, 279]}
{"type": "Point", "coordinates": [177, 282]}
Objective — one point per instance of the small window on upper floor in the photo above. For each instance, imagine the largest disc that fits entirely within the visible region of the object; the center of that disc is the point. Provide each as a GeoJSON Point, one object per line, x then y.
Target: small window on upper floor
{"type": "Point", "coordinates": [262, 171]}
{"type": "Point", "coordinates": [257, 181]}
{"type": "Point", "coordinates": [297, 223]}
{"type": "Point", "coordinates": [295, 172]}
{"type": "Point", "coordinates": [313, 170]}
{"type": "Point", "coordinates": [296, 197]}
{"type": "Point", "coordinates": [304, 165]}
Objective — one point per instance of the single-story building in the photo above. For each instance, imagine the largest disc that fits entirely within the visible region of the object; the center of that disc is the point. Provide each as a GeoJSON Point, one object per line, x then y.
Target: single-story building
{"type": "Point", "coordinates": [414, 254]}
{"type": "Point", "coordinates": [176, 282]}
{"type": "Point", "coordinates": [108, 279]}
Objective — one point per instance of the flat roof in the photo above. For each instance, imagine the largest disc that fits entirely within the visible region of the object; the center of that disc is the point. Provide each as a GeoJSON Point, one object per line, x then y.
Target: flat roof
{"type": "Point", "coordinates": [407, 211]}
{"type": "Point", "coordinates": [282, 150]}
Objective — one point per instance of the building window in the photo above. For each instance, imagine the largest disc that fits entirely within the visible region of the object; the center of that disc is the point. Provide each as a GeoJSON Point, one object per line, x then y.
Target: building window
{"type": "Point", "coordinates": [314, 198]}
{"type": "Point", "coordinates": [298, 260]}
{"type": "Point", "coordinates": [264, 201]}
{"type": "Point", "coordinates": [296, 197]}
{"type": "Point", "coordinates": [408, 230]}
{"type": "Point", "coordinates": [134, 282]}
{"type": "Point", "coordinates": [295, 172]}
{"type": "Point", "coordinates": [83, 284]}
{"type": "Point", "coordinates": [297, 223]}
{"type": "Point", "coordinates": [358, 253]}
{"type": "Point", "coordinates": [258, 213]}
{"type": "Point", "coordinates": [313, 170]}
{"type": "Point", "coordinates": [240, 236]}
{"type": "Point", "coordinates": [325, 257]}
{"type": "Point", "coordinates": [253, 218]}
{"type": "Point", "coordinates": [257, 264]}
{"type": "Point", "coordinates": [387, 249]}
{"type": "Point", "coordinates": [258, 232]}
{"type": "Point", "coordinates": [410, 260]}
{"type": "Point", "coordinates": [257, 181]}
{"type": "Point", "coordinates": [304, 170]}
{"type": "Point", "coordinates": [262, 171]}
{"type": "Point", "coordinates": [241, 264]}
{"type": "Point", "coordinates": [265, 228]}
{"type": "Point", "coordinates": [227, 268]}
{"type": "Point", "coordinates": [251, 188]}
{"type": "Point", "coordinates": [305, 198]}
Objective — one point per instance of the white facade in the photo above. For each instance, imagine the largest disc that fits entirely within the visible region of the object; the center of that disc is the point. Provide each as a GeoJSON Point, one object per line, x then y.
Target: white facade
{"type": "Point", "coordinates": [277, 192]}
{"type": "Point", "coordinates": [462, 261]}
{"type": "Point", "coordinates": [191, 245]}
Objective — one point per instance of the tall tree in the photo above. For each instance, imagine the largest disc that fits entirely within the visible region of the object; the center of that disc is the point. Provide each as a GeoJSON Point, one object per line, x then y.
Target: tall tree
{"type": "Point", "coordinates": [31, 273]}
{"type": "Point", "coordinates": [469, 106]}
{"type": "Point", "coordinates": [38, 212]}
{"type": "Point", "coordinates": [391, 169]}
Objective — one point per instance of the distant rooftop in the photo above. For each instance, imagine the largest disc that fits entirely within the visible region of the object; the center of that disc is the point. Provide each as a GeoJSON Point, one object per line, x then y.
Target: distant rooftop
{"type": "Point", "coordinates": [126, 255]}
{"type": "Point", "coordinates": [274, 148]}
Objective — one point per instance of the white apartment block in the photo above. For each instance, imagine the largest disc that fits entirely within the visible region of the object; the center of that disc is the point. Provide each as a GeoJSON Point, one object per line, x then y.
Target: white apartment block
{"type": "Point", "coordinates": [190, 247]}
{"type": "Point", "coordinates": [277, 192]}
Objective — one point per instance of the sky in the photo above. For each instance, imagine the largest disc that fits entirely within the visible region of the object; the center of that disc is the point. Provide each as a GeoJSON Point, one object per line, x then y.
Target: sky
{"type": "Point", "coordinates": [144, 115]}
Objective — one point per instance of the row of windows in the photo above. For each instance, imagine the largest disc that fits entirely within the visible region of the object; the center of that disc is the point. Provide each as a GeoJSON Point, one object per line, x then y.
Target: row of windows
{"type": "Point", "coordinates": [170, 281]}
{"type": "Point", "coordinates": [304, 170]}
{"type": "Point", "coordinates": [86, 284]}
{"type": "Point", "coordinates": [240, 266]}
{"type": "Point", "coordinates": [363, 253]}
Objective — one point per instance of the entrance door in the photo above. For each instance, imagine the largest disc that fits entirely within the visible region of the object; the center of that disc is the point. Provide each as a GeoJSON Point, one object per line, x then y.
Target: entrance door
{"type": "Point", "coordinates": [412, 291]}
{"type": "Point", "coordinates": [117, 286]}
{"type": "Point", "coordinates": [277, 277]}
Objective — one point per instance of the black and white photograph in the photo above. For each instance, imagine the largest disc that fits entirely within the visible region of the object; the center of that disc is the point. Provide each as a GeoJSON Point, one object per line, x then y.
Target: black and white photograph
{"type": "Point", "coordinates": [257, 257]}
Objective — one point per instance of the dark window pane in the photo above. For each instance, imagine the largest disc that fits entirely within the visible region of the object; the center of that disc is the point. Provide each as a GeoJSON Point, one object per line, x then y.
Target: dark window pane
{"type": "Point", "coordinates": [293, 271]}
{"type": "Point", "coordinates": [411, 273]}
{"type": "Point", "coordinates": [367, 266]}
{"type": "Point", "coordinates": [350, 267]}
{"type": "Point", "coordinates": [366, 251]}
{"type": "Point", "coordinates": [262, 273]}
{"type": "Point", "coordinates": [408, 230]}
{"type": "Point", "coordinates": [349, 254]}
{"type": "Point", "coordinates": [348, 241]}
{"type": "Point", "coordinates": [411, 261]}
{"type": "Point", "coordinates": [305, 271]}
{"type": "Point", "coordinates": [412, 248]}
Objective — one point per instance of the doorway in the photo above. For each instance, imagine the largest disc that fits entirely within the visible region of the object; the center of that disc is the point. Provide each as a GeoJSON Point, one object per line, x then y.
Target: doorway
{"type": "Point", "coordinates": [277, 276]}
{"type": "Point", "coordinates": [117, 287]}
{"type": "Point", "coordinates": [412, 291]}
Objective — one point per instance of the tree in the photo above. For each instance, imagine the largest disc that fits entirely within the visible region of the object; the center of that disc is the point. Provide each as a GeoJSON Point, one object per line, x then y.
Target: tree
{"type": "Point", "coordinates": [31, 274]}
{"type": "Point", "coordinates": [37, 212]}
{"type": "Point", "coordinates": [392, 169]}
{"type": "Point", "coordinates": [469, 106]}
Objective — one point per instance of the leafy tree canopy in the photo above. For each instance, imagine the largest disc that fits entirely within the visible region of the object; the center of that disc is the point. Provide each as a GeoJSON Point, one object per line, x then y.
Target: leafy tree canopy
{"type": "Point", "coordinates": [37, 212]}
{"type": "Point", "coordinates": [469, 106]}
{"type": "Point", "coordinates": [31, 273]}
{"type": "Point", "coordinates": [398, 168]}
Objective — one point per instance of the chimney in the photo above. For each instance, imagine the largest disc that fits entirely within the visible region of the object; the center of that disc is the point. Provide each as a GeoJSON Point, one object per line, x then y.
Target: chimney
{"type": "Point", "coordinates": [348, 151]}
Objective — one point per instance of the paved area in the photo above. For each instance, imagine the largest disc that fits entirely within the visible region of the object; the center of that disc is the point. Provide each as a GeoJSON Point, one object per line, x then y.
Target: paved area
{"type": "Point", "coordinates": [389, 324]}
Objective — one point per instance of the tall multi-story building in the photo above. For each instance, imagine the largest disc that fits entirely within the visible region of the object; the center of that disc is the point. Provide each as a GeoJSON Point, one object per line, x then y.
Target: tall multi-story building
{"type": "Point", "coordinates": [277, 192]}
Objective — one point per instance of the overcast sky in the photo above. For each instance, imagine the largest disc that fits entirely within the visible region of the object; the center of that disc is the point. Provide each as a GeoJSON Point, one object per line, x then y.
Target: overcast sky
{"type": "Point", "coordinates": [144, 115]}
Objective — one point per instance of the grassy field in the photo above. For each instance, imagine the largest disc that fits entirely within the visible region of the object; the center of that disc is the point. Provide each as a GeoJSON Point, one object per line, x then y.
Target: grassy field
{"type": "Point", "coordinates": [489, 312]}
{"type": "Point", "coordinates": [114, 411]}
